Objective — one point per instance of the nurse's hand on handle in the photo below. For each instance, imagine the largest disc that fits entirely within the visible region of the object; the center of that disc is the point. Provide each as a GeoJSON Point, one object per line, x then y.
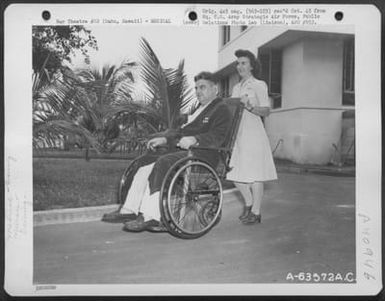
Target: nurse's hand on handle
{"type": "Point", "coordinates": [246, 101]}
{"type": "Point", "coordinates": [187, 142]}
{"type": "Point", "coordinates": [155, 142]}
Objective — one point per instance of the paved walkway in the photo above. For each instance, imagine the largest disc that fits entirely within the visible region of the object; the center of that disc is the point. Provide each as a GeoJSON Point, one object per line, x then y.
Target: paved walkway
{"type": "Point", "coordinates": [308, 225]}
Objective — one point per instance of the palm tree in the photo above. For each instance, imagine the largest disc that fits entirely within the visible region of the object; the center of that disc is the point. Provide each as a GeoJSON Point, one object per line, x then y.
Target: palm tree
{"type": "Point", "coordinates": [51, 98]}
{"type": "Point", "coordinates": [78, 105]}
{"type": "Point", "coordinates": [166, 95]}
{"type": "Point", "coordinates": [97, 107]}
{"type": "Point", "coordinates": [104, 89]}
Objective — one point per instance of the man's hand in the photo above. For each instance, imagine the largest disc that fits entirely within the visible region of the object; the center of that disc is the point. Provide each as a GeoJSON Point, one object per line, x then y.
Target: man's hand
{"type": "Point", "coordinates": [157, 141]}
{"type": "Point", "coordinates": [187, 142]}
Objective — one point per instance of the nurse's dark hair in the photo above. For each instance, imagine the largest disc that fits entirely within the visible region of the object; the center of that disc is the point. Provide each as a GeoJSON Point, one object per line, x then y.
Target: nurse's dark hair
{"type": "Point", "coordinates": [206, 76]}
{"type": "Point", "coordinates": [254, 62]}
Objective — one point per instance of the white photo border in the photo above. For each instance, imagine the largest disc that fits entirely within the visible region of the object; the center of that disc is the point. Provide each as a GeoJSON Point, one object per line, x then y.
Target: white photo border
{"type": "Point", "coordinates": [19, 19]}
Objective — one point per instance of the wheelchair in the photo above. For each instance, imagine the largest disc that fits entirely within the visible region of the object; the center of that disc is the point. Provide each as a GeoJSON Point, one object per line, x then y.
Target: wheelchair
{"type": "Point", "coordinates": [191, 195]}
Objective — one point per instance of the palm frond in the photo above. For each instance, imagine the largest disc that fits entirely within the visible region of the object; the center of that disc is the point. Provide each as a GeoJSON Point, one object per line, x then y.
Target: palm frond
{"type": "Point", "coordinates": [123, 92]}
{"type": "Point", "coordinates": [180, 94]}
{"type": "Point", "coordinates": [155, 80]}
{"type": "Point", "coordinates": [124, 72]}
{"type": "Point", "coordinates": [130, 112]}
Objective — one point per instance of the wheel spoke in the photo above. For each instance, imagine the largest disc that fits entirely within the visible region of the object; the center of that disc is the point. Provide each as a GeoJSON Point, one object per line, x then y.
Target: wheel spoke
{"type": "Point", "coordinates": [190, 218]}
{"type": "Point", "coordinates": [197, 218]}
{"type": "Point", "coordinates": [186, 211]}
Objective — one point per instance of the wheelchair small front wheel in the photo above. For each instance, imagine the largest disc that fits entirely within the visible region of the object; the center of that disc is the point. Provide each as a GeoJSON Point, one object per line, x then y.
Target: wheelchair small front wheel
{"type": "Point", "coordinates": [126, 180]}
{"type": "Point", "coordinates": [192, 202]}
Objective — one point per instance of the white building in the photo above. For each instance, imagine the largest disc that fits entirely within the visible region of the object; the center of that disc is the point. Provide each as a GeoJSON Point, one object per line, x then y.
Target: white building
{"type": "Point", "coordinates": [310, 75]}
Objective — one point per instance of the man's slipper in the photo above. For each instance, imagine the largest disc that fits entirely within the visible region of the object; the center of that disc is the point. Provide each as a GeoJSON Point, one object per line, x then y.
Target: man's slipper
{"type": "Point", "coordinates": [155, 226]}
{"type": "Point", "coordinates": [137, 225]}
{"type": "Point", "coordinates": [117, 217]}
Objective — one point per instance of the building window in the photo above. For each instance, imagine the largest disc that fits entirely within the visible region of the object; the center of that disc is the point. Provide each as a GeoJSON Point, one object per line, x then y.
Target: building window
{"type": "Point", "coordinates": [348, 95]}
{"type": "Point", "coordinates": [225, 87]}
{"type": "Point", "coordinates": [225, 34]}
{"type": "Point", "coordinates": [271, 74]}
{"type": "Point", "coordinates": [243, 28]}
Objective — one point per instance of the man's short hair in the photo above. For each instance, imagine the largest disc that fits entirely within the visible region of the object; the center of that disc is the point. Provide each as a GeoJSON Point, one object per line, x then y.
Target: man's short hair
{"type": "Point", "coordinates": [206, 76]}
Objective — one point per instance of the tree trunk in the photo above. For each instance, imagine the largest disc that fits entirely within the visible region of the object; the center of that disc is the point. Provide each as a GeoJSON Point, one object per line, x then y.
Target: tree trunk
{"type": "Point", "coordinates": [87, 153]}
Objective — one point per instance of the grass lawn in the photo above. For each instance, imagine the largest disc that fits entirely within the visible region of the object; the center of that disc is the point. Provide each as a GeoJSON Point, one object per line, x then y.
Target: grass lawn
{"type": "Point", "coordinates": [73, 182]}
{"type": "Point", "coordinates": [70, 183]}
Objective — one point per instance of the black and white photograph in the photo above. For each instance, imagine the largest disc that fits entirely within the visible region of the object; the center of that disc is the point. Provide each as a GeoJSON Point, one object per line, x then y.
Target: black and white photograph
{"type": "Point", "coordinates": [197, 152]}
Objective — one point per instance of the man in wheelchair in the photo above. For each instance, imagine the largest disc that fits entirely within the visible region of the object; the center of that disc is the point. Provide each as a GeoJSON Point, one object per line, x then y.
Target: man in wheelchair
{"type": "Point", "coordinates": [206, 127]}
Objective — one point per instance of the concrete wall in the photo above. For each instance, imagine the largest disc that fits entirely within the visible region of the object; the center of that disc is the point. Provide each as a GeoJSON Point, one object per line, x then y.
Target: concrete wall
{"type": "Point", "coordinates": [293, 76]}
{"type": "Point", "coordinates": [312, 73]}
{"type": "Point", "coordinates": [310, 120]}
{"type": "Point", "coordinates": [323, 62]}
{"type": "Point", "coordinates": [305, 136]}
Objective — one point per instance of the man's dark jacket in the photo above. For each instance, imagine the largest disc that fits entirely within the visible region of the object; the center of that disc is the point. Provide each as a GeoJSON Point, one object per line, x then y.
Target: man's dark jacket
{"type": "Point", "coordinates": [210, 127]}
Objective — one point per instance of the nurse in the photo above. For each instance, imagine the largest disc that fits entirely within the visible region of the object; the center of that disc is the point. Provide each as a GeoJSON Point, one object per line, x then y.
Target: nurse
{"type": "Point", "coordinates": [251, 161]}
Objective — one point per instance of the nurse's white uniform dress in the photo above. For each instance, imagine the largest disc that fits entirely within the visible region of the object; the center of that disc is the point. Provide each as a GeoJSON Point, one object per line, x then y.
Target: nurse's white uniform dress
{"type": "Point", "coordinates": [252, 159]}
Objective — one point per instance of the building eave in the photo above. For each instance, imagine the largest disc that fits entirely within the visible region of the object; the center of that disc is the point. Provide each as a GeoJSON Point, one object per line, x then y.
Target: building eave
{"type": "Point", "coordinates": [292, 36]}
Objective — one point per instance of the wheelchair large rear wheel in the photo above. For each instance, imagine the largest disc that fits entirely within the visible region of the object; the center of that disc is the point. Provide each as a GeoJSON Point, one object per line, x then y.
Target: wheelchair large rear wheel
{"type": "Point", "coordinates": [191, 198]}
